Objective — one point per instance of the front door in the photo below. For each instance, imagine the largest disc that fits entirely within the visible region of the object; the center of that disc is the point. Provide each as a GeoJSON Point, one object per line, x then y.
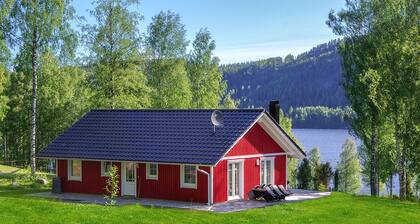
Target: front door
{"type": "Point", "coordinates": [234, 180]}
{"type": "Point", "coordinates": [128, 178]}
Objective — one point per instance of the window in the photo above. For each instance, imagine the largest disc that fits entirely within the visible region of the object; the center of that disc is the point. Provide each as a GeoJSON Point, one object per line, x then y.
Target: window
{"type": "Point", "coordinates": [188, 176]}
{"type": "Point", "coordinates": [75, 170]}
{"type": "Point", "coordinates": [267, 171]}
{"type": "Point", "coordinates": [152, 171]}
{"type": "Point", "coordinates": [105, 168]}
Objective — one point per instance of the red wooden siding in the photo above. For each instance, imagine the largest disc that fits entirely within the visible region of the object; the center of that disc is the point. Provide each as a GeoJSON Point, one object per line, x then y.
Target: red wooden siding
{"type": "Point", "coordinates": [256, 141]}
{"type": "Point", "coordinates": [280, 170]}
{"type": "Point", "coordinates": [168, 184]}
{"type": "Point", "coordinates": [251, 175]}
{"type": "Point", "coordinates": [92, 181]}
{"type": "Point", "coordinates": [220, 182]}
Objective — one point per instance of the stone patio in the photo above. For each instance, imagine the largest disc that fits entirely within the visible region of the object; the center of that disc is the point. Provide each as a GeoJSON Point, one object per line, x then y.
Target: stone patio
{"type": "Point", "coordinates": [230, 206]}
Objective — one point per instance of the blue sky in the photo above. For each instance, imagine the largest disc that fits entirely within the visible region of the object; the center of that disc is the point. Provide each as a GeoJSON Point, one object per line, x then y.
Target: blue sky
{"type": "Point", "coordinates": [246, 30]}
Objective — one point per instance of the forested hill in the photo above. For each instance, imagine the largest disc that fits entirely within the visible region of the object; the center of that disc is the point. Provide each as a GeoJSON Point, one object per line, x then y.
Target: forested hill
{"type": "Point", "coordinates": [310, 79]}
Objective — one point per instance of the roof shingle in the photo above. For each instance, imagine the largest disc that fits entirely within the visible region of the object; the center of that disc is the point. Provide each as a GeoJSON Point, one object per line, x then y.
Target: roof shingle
{"type": "Point", "coordinates": [166, 136]}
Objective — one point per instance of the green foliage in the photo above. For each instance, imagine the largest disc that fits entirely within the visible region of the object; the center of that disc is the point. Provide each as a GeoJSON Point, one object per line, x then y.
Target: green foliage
{"type": "Point", "coordinates": [336, 179]}
{"type": "Point", "coordinates": [170, 82]}
{"type": "Point", "coordinates": [349, 168]}
{"type": "Point", "coordinates": [323, 173]}
{"type": "Point", "coordinates": [320, 117]}
{"type": "Point", "coordinates": [4, 78]}
{"type": "Point", "coordinates": [292, 172]}
{"type": "Point", "coordinates": [228, 102]}
{"type": "Point", "coordinates": [304, 175]}
{"type": "Point", "coordinates": [166, 36]}
{"type": "Point", "coordinates": [166, 70]}
{"type": "Point", "coordinates": [63, 97]}
{"type": "Point", "coordinates": [207, 86]}
{"type": "Point", "coordinates": [314, 158]}
{"type": "Point", "coordinates": [116, 63]}
{"type": "Point", "coordinates": [380, 57]}
{"type": "Point", "coordinates": [17, 120]}
{"type": "Point", "coordinates": [112, 186]}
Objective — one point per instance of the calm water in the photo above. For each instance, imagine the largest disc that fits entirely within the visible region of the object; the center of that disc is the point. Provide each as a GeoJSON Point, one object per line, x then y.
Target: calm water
{"type": "Point", "coordinates": [330, 142]}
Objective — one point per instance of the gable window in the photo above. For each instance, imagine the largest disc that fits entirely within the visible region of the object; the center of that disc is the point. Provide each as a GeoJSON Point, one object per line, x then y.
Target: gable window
{"type": "Point", "coordinates": [188, 176]}
{"type": "Point", "coordinates": [75, 170]}
{"type": "Point", "coordinates": [105, 168]}
{"type": "Point", "coordinates": [267, 171]}
{"type": "Point", "coordinates": [152, 171]}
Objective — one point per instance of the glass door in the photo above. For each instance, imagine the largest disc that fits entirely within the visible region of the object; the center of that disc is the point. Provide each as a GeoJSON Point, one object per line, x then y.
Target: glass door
{"type": "Point", "coordinates": [234, 180]}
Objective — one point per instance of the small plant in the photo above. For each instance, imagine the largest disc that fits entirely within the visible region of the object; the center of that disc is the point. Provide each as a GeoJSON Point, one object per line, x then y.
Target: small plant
{"type": "Point", "coordinates": [112, 187]}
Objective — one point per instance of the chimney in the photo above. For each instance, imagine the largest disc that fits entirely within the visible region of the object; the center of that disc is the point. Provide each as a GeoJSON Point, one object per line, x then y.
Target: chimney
{"type": "Point", "coordinates": [273, 110]}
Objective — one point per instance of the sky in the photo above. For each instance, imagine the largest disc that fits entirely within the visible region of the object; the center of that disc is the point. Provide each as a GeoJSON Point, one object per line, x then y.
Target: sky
{"type": "Point", "coordinates": [245, 30]}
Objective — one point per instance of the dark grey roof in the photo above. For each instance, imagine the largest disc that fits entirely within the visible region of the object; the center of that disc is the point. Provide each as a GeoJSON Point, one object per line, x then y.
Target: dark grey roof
{"type": "Point", "coordinates": [171, 136]}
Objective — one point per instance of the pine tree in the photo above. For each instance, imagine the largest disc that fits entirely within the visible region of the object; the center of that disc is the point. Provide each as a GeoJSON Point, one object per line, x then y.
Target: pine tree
{"type": "Point", "coordinates": [323, 173]}
{"type": "Point", "coordinates": [349, 168]}
{"type": "Point", "coordinates": [304, 175]}
{"type": "Point", "coordinates": [114, 43]}
{"type": "Point", "coordinates": [166, 70]}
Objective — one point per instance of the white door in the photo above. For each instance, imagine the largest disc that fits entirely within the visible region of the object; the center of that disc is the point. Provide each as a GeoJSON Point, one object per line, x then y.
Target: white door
{"type": "Point", "coordinates": [234, 180]}
{"type": "Point", "coordinates": [128, 178]}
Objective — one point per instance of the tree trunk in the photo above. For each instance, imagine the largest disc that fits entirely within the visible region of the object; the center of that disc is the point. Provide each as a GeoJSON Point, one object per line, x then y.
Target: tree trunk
{"type": "Point", "coordinates": [391, 179]}
{"type": "Point", "coordinates": [374, 177]}
{"type": "Point", "coordinates": [34, 98]}
{"type": "Point", "coordinates": [401, 163]}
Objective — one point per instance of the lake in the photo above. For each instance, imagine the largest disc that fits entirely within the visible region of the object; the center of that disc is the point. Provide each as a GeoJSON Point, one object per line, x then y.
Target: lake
{"type": "Point", "coordinates": [330, 142]}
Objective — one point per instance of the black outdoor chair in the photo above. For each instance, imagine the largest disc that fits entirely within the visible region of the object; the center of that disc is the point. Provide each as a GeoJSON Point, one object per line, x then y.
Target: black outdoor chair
{"type": "Point", "coordinates": [277, 191]}
{"type": "Point", "coordinates": [269, 195]}
{"type": "Point", "coordinates": [282, 189]}
{"type": "Point", "coordinates": [257, 192]}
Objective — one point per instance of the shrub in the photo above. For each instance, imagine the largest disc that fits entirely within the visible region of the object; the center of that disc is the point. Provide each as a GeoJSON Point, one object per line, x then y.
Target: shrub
{"type": "Point", "coordinates": [112, 187]}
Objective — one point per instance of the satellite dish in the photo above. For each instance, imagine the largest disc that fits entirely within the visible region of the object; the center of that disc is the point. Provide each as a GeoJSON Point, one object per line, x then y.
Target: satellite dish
{"type": "Point", "coordinates": [217, 119]}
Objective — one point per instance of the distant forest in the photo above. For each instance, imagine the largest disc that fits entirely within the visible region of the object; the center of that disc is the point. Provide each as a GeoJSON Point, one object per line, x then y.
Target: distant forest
{"type": "Point", "coordinates": [310, 83]}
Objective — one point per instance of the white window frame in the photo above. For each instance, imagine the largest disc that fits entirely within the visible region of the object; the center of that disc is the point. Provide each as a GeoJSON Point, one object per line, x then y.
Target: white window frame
{"type": "Point", "coordinates": [69, 167]}
{"type": "Point", "coordinates": [188, 185]}
{"type": "Point", "coordinates": [148, 175]}
{"type": "Point", "coordinates": [103, 173]}
{"type": "Point", "coordinates": [262, 160]}
{"type": "Point", "coordinates": [241, 178]}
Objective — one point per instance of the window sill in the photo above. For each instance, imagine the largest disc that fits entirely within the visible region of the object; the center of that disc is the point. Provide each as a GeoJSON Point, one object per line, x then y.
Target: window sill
{"type": "Point", "coordinates": [151, 178]}
{"type": "Point", "coordinates": [74, 179]}
{"type": "Point", "coordinates": [189, 186]}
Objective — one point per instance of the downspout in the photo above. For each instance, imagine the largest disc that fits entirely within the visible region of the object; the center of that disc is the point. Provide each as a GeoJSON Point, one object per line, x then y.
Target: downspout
{"type": "Point", "coordinates": [210, 184]}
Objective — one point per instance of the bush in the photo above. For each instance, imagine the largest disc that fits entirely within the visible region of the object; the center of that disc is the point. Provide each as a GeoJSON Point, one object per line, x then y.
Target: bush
{"type": "Point", "coordinates": [112, 187]}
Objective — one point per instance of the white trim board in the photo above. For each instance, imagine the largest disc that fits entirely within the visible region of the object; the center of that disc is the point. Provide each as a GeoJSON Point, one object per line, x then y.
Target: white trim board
{"type": "Point", "coordinates": [273, 131]}
{"type": "Point", "coordinates": [241, 179]}
{"type": "Point", "coordinates": [119, 161]}
{"type": "Point", "coordinates": [254, 156]}
{"type": "Point", "coordinates": [279, 137]}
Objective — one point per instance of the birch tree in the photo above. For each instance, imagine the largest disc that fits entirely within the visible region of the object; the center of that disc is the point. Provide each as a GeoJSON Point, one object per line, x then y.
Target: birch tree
{"type": "Point", "coordinates": [31, 27]}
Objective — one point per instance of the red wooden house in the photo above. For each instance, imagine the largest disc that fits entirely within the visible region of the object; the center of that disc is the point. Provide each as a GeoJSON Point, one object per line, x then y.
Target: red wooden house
{"type": "Point", "coordinates": [173, 154]}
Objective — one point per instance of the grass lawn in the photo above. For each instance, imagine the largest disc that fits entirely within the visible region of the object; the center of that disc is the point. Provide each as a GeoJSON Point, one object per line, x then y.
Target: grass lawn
{"type": "Point", "coordinates": [17, 207]}
{"type": "Point", "coordinates": [7, 169]}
